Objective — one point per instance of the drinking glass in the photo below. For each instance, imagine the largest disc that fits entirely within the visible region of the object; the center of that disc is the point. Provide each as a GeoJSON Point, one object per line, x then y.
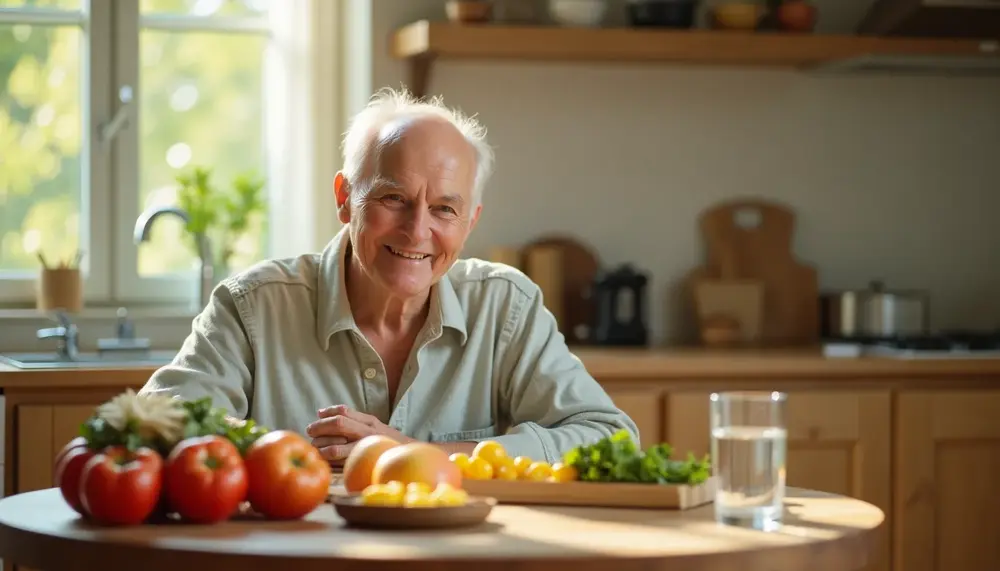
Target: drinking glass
{"type": "Point", "coordinates": [749, 445]}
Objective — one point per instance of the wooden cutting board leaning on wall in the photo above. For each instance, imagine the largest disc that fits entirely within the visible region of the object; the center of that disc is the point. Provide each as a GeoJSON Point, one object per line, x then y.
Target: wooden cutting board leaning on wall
{"type": "Point", "coordinates": [754, 239]}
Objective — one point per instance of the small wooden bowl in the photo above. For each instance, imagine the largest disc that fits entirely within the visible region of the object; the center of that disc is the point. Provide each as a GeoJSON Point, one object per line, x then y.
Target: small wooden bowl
{"type": "Point", "coordinates": [475, 511]}
{"type": "Point", "coordinates": [469, 11]}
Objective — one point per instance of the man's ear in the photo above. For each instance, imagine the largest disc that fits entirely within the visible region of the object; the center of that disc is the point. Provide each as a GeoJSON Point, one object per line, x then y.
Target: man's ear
{"type": "Point", "coordinates": [341, 193]}
{"type": "Point", "coordinates": [475, 217]}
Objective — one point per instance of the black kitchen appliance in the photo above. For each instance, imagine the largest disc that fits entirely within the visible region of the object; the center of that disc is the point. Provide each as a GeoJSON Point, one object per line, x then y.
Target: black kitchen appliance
{"type": "Point", "coordinates": [620, 307]}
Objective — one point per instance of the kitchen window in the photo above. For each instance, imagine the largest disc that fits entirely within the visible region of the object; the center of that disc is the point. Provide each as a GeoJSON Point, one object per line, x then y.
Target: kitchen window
{"type": "Point", "coordinates": [103, 103]}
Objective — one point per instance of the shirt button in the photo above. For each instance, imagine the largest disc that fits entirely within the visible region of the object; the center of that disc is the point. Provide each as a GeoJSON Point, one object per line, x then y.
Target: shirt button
{"type": "Point", "coordinates": [370, 373]}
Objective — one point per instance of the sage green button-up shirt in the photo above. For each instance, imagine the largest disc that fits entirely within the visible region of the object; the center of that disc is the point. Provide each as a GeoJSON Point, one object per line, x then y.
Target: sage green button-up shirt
{"type": "Point", "coordinates": [278, 342]}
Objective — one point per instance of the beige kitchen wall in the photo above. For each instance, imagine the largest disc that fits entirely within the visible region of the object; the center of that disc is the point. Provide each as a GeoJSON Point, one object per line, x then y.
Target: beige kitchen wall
{"type": "Point", "coordinates": [892, 178]}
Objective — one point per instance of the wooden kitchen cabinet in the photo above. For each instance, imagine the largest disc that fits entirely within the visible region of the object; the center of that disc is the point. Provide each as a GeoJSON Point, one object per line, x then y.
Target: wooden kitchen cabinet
{"type": "Point", "coordinates": [645, 407]}
{"type": "Point", "coordinates": [947, 470]}
{"type": "Point", "coordinates": [42, 431]}
{"type": "Point", "coordinates": [838, 442]}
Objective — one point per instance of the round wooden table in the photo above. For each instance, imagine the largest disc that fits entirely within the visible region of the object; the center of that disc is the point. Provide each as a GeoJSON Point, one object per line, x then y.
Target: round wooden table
{"type": "Point", "coordinates": [822, 532]}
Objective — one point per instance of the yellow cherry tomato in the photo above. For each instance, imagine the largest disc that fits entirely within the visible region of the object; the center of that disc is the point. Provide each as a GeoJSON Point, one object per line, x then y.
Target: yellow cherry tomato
{"type": "Point", "coordinates": [521, 464]}
{"type": "Point", "coordinates": [478, 469]}
{"type": "Point", "coordinates": [489, 450]}
{"type": "Point", "coordinates": [505, 472]}
{"type": "Point", "coordinates": [538, 471]}
{"type": "Point", "coordinates": [563, 472]}
{"type": "Point", "coordinates": [461, 460]}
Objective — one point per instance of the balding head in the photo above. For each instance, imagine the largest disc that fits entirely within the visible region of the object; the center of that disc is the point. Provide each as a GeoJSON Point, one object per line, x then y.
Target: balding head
{"type": "Point", "coordinates": [391, 116]}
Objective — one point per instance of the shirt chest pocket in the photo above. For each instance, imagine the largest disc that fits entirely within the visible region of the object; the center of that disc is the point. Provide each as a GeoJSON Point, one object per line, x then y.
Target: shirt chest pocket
{"type": "Point", "coordinates": [464, 435]}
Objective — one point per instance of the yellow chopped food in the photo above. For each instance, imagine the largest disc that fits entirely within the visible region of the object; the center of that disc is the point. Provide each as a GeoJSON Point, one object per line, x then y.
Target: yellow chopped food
{"type": "Point", "coordinates": [447, 496]}
{"type": "Point", "coordinates": [419, 499]}
{"type": "Point", "coordinates": [388, 494]}
{"type": "Point", "coordinates": [421, 487]}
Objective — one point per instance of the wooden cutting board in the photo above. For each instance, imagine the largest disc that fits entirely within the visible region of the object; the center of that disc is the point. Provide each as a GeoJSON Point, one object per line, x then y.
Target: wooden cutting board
{"type": "Point", "coordinates": [729, 297]}
{"type": "Point", "coordinates": [758, 235]}
{"type": "Point", "coordinates": [579, 269]}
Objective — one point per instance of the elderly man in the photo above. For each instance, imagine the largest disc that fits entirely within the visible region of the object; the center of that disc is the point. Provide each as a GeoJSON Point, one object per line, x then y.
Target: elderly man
{"type": "Point", "coordinates": [387, 331]}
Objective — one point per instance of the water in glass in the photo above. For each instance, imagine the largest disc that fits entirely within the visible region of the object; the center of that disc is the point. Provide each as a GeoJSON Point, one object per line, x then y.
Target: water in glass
{"type": "Point", "coordinates": [748, 457]}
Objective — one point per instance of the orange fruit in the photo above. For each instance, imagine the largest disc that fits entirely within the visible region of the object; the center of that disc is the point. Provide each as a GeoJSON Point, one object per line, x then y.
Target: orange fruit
{"type": "Point", "coordinates": [361, 461]}
{"type": "Point", "coordinates": [417, 462]}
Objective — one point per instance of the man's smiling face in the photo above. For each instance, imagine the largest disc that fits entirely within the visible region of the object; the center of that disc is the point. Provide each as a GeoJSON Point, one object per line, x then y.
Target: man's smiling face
{"type": "Point", "coordinates": [411, 225]}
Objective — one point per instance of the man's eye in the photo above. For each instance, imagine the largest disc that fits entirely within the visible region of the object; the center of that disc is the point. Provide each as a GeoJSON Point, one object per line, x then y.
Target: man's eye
{"type": "Point", "coordinates": [447, 209]}
{"type": "Point", "coordinates": [393, 198]}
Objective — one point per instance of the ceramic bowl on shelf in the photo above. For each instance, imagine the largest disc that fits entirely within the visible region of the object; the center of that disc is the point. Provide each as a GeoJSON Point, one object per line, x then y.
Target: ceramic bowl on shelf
{"type": "Point", "coordinates": [585, 13]}
{"type": "Point", "coordinates": [737, 15]}
{"type": "Point", "coordinates": [469, 11]}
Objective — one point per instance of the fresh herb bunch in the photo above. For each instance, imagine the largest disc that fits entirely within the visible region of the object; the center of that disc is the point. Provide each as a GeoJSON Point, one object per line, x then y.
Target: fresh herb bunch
{"type": "Point", "coordinates": [616, 458]}
{"type": "Point", "coordinates": [200, 419]}
{"type": "Point", "coordinates": [205, 420]}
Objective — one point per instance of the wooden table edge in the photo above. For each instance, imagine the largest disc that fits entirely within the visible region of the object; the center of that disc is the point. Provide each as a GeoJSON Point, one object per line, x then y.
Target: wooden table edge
{"type": "Point", "coordinates": [851, 551]}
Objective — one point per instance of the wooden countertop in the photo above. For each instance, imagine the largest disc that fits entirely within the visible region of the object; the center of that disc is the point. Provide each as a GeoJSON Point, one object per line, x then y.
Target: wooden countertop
{"type": "Point", "coordinates": [609, 364]}
{"type": "Point", "coordinates": [822, 532]}
{"type": "Point", "coordinates": [613, 365]}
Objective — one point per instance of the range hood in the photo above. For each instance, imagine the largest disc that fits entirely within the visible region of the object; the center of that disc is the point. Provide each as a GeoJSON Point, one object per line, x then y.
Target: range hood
{"type": "Point", "coordinates": [933, 18]}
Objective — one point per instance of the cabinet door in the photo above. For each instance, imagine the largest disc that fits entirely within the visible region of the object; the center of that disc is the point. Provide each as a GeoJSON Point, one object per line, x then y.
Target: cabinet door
{"type": "Point", "coordinates": [838, 442]}
{"type": "Point", "coordinates": [947, 469]}
{"type": "Point", "coordinates": [42, 431]}
{"type": "Point", "coordinates": [645, 408]}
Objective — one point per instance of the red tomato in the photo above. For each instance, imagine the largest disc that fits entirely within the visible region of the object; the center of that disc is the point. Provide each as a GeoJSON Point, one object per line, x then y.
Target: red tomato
{"type": "Point", "coordinates": [119, 487]}
{"type": "Point", "coordinates": [288, 477]}
{"type": "Point", "coordinates": [68, 468]}
{"type": "Point", "coordinates": [205, 479]}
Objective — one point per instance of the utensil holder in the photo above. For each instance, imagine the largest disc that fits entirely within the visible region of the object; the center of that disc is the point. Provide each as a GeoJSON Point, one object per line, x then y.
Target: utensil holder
{"type": "Point", "coordinates": [60, 288]}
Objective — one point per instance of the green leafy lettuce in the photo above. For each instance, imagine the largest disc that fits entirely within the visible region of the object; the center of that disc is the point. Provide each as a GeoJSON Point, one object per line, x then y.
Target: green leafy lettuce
{"type": "Point", "coordinates": [616, 458]}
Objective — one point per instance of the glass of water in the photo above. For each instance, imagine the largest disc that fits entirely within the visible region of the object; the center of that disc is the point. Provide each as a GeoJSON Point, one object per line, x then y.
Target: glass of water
{"type": "Point", "coordinates": [749, 445]}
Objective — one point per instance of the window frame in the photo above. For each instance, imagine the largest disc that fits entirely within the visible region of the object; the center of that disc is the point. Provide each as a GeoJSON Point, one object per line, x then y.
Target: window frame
{"type": "Point", "coordinates": [300, 123]}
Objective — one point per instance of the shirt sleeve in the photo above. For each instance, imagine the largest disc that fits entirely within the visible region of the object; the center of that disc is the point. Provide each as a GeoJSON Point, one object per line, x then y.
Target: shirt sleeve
{"type": "Point", "coordinates": [553, 403]}
{"type": "Point", "coordinates": [216, 359]}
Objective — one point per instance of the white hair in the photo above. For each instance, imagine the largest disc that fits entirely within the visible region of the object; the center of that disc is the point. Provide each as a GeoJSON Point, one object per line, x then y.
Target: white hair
{"type": "Point", "coordinates": [360, 148]}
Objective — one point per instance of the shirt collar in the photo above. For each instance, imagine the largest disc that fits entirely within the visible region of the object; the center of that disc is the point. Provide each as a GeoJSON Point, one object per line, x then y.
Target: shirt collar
{"type": "Point", "coordinates": [333, 310]}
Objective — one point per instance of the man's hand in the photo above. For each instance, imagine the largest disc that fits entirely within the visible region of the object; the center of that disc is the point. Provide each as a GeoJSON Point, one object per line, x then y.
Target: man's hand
{"type": "Point", "coordinates": [339, 428]}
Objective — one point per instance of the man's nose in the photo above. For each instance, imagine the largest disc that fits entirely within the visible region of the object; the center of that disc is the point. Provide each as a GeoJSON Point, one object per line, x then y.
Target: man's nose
{"type": "Point", "coordinates": [418, 226]}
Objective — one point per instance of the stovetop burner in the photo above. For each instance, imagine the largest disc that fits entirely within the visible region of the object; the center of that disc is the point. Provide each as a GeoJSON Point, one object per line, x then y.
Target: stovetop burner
{"type": "Point", "coordinates": [944, 342]}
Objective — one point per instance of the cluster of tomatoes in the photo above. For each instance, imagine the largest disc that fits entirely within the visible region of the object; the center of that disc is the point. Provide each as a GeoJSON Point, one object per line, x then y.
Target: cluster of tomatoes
{"type": "Point", "coordinates": [203, 479]}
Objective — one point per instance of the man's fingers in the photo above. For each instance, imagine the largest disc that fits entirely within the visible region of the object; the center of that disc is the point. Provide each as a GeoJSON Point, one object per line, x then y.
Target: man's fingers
{"type": "Point", "coordinates": [324, 441]}
{"type": "Point", "coordinates": [344, 426]}
{"type": "Point", "coordinates": [344, 410]}
{"type": "Point", "coordinates": [336, 453]}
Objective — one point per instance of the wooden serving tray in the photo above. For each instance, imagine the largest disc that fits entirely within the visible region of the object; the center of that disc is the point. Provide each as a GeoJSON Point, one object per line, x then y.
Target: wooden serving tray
{"type": "Point", "coordinates": [598, 494]}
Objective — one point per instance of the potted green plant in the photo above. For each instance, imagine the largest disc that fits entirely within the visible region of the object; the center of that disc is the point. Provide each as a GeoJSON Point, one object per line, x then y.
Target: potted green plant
{"type": "Point", "coordinates": [223, 215]}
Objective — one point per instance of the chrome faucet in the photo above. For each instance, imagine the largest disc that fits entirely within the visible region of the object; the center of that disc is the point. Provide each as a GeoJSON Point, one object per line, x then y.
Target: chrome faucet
{"type": "Point", "coordinates": [144, 224]}
{"type": "Point", "coordinates": [69, 346]}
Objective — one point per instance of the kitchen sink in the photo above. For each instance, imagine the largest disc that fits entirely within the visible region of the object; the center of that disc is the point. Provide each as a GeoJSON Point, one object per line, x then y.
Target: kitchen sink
{"type": "Point", "coordinates": [99, 360]}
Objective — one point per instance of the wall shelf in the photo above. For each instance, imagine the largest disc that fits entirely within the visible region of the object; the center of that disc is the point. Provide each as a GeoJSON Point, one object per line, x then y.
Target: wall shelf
{"type": "Point", "coordinates": [423, 42]}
